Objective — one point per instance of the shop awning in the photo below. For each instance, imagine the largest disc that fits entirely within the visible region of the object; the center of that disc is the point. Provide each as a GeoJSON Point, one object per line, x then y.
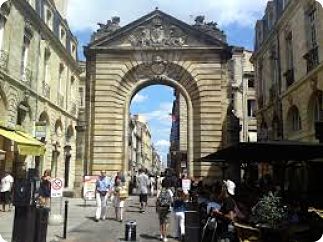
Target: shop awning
{"type": "Point", "coordinates": [26, 144]}
{"type": "Point", "coordinates": [268, 151]}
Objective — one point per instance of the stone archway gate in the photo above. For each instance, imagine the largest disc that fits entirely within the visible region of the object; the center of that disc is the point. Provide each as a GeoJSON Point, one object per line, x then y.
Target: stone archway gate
{"type": "Point", "coordinates": [155, 49]}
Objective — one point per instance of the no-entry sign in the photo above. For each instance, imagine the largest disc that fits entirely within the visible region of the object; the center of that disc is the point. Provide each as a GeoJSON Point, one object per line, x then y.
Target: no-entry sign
{"type": "Point", "coordinates": [57, 185]}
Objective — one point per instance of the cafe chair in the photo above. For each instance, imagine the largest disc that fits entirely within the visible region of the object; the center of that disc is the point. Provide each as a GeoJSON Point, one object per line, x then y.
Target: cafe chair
{"type": "Point", "coordinates": [246, 233]}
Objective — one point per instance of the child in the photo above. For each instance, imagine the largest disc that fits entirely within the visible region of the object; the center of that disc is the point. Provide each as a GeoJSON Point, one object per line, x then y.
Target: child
{"type": "Point", "coordinates": [163, 204]}
{"type": "Point", "coordinates": [179, 209]}
{"type": "Point", "coordinates": [120, 195]}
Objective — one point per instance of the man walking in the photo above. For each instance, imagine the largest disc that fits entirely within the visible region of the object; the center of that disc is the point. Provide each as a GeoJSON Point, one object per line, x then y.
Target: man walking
{"type": "Point", "coordinates": [142, 183]}
{"type": "Point", "coordinates": [103, 185]}
{"type": "Point", "coordinates": [5, 190]}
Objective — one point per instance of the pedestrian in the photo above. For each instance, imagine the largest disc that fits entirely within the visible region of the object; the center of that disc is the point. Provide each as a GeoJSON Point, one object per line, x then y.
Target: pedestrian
{"type": "Point", "coordinates": [179, 208]}
{"type": "Point", "coordinates": [120, 196]}
{"type": "Point", "coordinates": [226, 215]}
{"type": "Point", "coordinates": [5, 190]}
{"type": "Point", "coordinates": [103, 185]}
{"type": "Point", "coordinates": [163, 205]}
{"type": "Point", "coordinates": [142, 183]}
{"type": "Point", "coordinates": [45, 188]}
{"type": "Point", "coordinates": [152, 185]}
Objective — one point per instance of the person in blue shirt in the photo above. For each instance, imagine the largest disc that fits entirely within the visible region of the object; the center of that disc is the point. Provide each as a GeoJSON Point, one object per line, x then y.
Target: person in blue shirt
{"type": "Point", "coordinates": [103, 185]}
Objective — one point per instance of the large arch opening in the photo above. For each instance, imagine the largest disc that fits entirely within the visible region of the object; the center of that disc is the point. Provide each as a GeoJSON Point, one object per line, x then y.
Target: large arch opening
{"type": "Point", "coordinates": [167, 122]}
{"type": "Point", "coordinates": [174, 76]}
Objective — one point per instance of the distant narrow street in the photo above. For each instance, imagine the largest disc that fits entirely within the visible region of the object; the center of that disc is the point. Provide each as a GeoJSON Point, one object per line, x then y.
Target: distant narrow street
{"type": "Point", "coordinates": [113, 231]}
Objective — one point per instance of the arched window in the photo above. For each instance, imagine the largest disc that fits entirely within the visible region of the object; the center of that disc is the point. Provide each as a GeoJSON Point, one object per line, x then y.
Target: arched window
{"type": "Point", "coordinates": [317, 107]}
{"type": "Point", "coordinates": [294, 119]}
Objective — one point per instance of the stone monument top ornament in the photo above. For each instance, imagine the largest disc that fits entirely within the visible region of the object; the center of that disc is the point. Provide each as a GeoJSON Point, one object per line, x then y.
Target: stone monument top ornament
{"type": "Point", "coordinates": [157, 33]}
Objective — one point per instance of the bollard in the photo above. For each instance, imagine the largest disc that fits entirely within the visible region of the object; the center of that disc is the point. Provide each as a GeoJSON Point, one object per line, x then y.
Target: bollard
{"type": "Point", "coordinates": [65, 219]}
{"type": "Point", "coordinates": [130, 231]}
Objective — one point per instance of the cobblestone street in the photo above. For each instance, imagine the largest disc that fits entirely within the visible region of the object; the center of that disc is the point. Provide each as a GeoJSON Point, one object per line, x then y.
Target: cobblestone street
{"type": "Point", "coordinates": [113, 231]}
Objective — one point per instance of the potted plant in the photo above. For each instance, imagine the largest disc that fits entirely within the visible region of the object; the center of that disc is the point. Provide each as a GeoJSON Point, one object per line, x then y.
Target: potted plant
{"type": "Point", "coordinates": [269, 211]}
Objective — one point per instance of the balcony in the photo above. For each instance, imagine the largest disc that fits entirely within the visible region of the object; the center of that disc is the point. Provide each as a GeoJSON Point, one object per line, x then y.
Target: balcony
{"type": "Point", "coordinates": [27, 77]}
{"type": "Point", "coordinates": [60, 100]}
{"type": "Point", "coordinates": [46, 90]}
{"type": "Point", "coordinates": [312, 59]}
{"type": "Point", "coordinates": [4, 57]}
{"type": "Point", "coordinates": [289, 75]}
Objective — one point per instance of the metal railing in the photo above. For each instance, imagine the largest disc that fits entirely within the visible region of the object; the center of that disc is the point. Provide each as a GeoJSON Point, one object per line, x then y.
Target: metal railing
{"type": "Point", "coordinates": [4, 57]}
{"type": "Point", "coordinates": [46, 90]}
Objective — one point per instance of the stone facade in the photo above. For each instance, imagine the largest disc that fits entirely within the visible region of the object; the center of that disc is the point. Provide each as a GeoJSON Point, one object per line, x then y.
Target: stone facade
{"type": "Point", "coordinates": [140, 144]}
{"type": "Point", "coordinates": [289, 77]}
{"type": "Point", "coordinates": [156, 49]}
{"type": "Point", "coordinates": [178, 137]}
{"type": "Point", "coordinates": [243, 96]}
{"type": "Point", "coordinates": [39, 79]}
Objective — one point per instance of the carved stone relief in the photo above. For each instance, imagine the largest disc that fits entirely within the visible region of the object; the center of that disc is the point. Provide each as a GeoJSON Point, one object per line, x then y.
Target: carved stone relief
{"type": "Point", "coordinates": [158, 34]}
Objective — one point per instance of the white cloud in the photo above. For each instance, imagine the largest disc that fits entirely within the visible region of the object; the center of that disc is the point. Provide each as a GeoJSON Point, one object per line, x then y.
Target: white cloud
{"type": "Point", "coordinates": [162, 114]}
{"type": "Point", "coordinates": [139, 98]}
{"type": "Point", "coordinates": [84, 15]}
{"type": "Point", "coordinates": [162, 143]}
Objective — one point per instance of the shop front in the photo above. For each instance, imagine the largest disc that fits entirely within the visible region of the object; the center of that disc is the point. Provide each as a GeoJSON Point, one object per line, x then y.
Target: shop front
{"type": "Point", "coordinates": [18, 150]}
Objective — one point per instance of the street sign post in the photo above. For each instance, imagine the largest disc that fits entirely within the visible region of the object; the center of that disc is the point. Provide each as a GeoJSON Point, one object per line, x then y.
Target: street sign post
{"type": "Point", "coordinates": [57, 185]}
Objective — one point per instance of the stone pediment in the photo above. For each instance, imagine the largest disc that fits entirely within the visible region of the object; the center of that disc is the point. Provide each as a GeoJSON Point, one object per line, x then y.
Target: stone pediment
{"type": "Point", "coordinates": [156, 29]}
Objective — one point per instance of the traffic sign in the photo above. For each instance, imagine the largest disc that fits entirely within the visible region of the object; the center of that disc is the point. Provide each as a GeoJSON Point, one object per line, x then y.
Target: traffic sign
{"type": "Point", "coordinates": [57, 185]}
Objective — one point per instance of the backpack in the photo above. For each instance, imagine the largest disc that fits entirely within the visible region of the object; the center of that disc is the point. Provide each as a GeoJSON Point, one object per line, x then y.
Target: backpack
{"type": "Point", "coordinates": [164, 199]}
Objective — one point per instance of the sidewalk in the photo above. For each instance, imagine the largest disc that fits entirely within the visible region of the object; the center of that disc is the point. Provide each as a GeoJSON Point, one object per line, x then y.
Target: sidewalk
{"type": "Point", "coordinates": [77, 214]}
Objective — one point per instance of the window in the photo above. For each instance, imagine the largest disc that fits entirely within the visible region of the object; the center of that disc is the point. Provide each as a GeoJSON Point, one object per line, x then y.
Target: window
{"type": "Point", "coordinates": [289, 51]}
{"type": "Point", "coordinates": [24, 57]}
{"type": "Point", "coordinates": [251, 83]}
{"type": "Point", "coordinates": [2, 25]}
{"type": "Point", "coordinates": [47, 65]}
{"type": "Point", "coordinates": [81, 91]}
{"type": "Point", "coordinates": [270, 20]}
{"type": "Point", "coordinates": [49, 18]}
{"type": "Point", "coordinates": [312, 56]}
{"type": "Point", "coordinates": [312, 34]}
{"type": "Point", "coordinates": [251, 108]}
{"type": "Point", "coordinates": [317, 109]}
{"type": "Point", "coordinates": [294, 119]}
{"type": "Point", "coordinates": [60, 77]}
{"type": "Point", "coordinates": [72, 90]}
{"type": "Point", "coordinates": [62, 35]}
{"type": "Point", "coordinates": [73, 48]}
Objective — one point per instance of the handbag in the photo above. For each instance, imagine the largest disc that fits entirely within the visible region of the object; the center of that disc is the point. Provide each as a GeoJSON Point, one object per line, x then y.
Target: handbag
{"type": "Point", "coordinates": [123, 194]}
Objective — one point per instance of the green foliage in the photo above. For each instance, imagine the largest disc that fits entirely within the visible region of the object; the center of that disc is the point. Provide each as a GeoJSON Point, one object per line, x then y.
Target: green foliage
{"type": "Point", "coordinates": [269, 210]}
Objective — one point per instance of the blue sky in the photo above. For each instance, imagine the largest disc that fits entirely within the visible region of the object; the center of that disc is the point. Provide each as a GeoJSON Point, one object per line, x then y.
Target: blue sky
{"type": "Point", "coordinates": [236, 17]}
